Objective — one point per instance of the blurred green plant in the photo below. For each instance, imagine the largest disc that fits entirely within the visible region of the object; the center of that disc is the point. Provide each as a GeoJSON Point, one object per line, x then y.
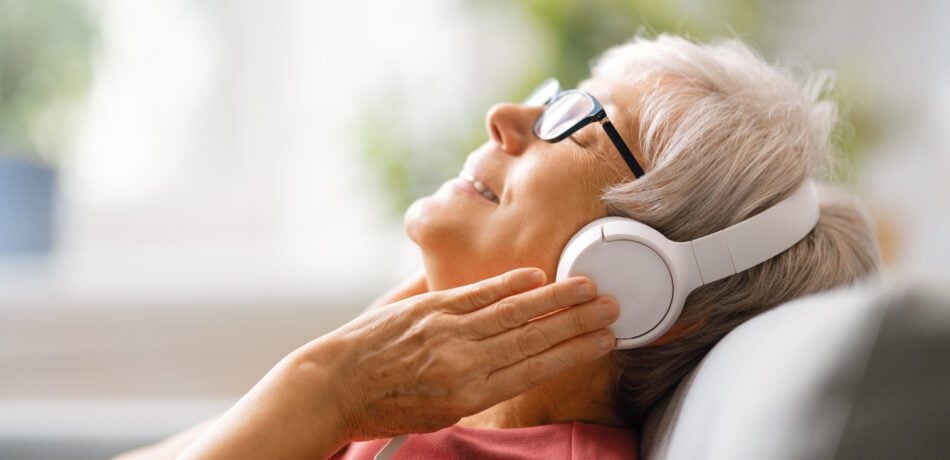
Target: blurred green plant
{"type": "Point", "coordinates": [578, 31]}
{"type": "Point", "coordinates": [859, 127]}
{"type": "Point", "coordinates": [45, 50]}
{"type": "Point", "coordinates": [572, 34]}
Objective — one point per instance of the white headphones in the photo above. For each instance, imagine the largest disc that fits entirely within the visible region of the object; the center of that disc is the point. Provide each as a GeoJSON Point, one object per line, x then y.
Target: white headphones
{"type": "Point", "coordinates": [650, 276]}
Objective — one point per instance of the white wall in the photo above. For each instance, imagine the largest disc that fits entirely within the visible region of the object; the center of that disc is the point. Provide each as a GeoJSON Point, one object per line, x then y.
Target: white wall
{"type": "Point", "coordinates": [896, 58]}
{"type": "Point", "coordinates": [217, 211]}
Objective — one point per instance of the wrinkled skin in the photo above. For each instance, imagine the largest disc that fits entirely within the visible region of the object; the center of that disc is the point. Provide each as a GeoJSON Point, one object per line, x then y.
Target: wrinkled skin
{"type": "Point", "coordinates": [416, 365]}
{"type": "Point", "coordinates": [455, 353]}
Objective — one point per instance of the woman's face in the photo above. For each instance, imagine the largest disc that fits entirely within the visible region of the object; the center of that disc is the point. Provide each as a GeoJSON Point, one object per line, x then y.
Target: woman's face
{"type": "Point", "coordinates": [545, 192]}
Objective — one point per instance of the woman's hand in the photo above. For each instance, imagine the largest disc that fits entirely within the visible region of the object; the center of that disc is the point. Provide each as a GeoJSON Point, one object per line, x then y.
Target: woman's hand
{"type": "Point", "coordinates": [415, 366]}
{"type": "Point", "coordinates": [423, 363]}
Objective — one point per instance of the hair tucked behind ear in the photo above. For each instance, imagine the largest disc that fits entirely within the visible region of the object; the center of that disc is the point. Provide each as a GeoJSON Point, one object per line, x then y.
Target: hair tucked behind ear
{"type": "Point", "coordinates": [726, 135]}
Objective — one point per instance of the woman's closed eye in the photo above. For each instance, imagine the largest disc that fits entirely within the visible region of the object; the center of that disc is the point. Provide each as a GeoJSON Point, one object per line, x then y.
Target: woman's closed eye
{"type": "Point", "coordinates": [577, 142]}
{"type": "Point", "coordinates": [582, 140]}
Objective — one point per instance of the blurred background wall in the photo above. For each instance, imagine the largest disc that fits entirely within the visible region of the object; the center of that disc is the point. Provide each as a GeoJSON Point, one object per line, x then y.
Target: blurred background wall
{"type": "Point", "coordinates": [221, 181]}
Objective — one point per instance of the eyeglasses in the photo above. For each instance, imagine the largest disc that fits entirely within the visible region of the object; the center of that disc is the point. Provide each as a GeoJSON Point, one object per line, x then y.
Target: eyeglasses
{"type": "Point", "coordinates": [565, 112]}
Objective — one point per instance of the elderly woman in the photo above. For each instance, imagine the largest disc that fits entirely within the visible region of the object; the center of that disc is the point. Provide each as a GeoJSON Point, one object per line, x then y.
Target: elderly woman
{"type": "Point", "coordinates": [696, 138]}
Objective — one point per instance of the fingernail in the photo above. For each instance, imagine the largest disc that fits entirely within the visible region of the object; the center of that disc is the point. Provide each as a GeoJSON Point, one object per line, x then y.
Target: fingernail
{"type": "Point", "coordinates": [606, 341]}
{"type": "Point", "coordinates": [608, 310]}
{"type": "Point", "coordinates": [538, 277]}
{"type": "Point", "coordinates": [585, 291]}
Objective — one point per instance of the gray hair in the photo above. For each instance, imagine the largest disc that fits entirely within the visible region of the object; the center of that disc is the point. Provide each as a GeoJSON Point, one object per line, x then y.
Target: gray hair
{"type": "Point", "coordinates": [725, 135]}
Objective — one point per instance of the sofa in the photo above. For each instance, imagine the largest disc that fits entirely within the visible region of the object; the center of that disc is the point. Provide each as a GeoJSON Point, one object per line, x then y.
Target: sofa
{"type": "Point", "coordinates": [861, 372]}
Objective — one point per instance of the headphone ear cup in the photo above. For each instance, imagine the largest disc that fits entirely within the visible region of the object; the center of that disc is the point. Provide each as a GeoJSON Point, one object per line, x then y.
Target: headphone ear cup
{"type": "Point", "coordinates": [629, 270]}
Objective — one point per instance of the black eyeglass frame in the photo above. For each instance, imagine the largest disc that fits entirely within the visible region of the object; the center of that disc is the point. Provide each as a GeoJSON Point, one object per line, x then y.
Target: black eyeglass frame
{"type": "Point", "coordinates": [596, 114]}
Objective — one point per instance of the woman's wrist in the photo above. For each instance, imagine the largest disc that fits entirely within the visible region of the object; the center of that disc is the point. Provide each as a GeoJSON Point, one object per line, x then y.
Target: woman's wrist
{"type": "Point", "coordinates": [308, 374]}
{"type": "Point", "coordinates": [351, 391]}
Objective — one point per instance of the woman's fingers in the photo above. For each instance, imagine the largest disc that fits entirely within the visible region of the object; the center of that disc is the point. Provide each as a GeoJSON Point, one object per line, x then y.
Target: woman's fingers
{"type": "Point", "coordinates": [538, 336]}
{"type": "Point", "coordinates": [514, 311]}
{"type": "Point", "coordinates": [522, 376]}
{"type": "Point", "coordinates": [469, 298]}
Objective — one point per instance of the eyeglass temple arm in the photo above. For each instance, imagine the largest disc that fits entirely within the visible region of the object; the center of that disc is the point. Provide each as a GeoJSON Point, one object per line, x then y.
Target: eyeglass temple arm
{"type": "Point", "coordinates": [622, 148]}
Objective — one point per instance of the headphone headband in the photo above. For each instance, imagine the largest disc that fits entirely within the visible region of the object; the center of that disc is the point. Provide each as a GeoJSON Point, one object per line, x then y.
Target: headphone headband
{"type": "Point", "coordinates": [651, 276]}
{"type": "Point", "coordinates": [758, 238]}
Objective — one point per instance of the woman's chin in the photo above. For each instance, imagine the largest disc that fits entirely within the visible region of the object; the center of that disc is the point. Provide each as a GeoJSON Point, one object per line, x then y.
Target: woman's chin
{"type": "Point", "coordinates": [444, 212]}
{"type": "Point", "coordinates": [413, 219]}
{"type": "Point", "coordinates": [426, 218]}
{"type": "Point", "coordinates": [442, 228]}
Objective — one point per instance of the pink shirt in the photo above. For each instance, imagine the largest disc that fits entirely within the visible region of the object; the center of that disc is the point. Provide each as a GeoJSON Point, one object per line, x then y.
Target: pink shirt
{"type": "Point", "coordinates": [550, 442]}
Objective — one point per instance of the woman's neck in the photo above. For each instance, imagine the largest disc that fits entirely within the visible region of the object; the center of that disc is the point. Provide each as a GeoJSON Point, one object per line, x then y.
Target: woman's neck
{"type": "Point", "coordinates": [581, 395]}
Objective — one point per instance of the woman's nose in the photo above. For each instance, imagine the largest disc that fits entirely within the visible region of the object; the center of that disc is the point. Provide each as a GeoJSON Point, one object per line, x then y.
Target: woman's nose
{"type": "Point", "coordinates": [510, 126]}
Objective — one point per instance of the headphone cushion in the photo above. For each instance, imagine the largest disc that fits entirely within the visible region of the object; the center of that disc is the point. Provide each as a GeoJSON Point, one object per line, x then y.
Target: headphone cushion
{"type": "Point", "coordinates": [630, 271]}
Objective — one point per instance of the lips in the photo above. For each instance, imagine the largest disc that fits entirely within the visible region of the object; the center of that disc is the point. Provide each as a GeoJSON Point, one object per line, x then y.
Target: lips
{"type": "Point", "coordinates": [479, 186]}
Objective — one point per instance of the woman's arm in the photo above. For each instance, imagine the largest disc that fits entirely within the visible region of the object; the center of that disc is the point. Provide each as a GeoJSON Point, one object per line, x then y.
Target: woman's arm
{"type": "Point", "coordinates": [416, 366]}
{"type": "Point", "coordinates": [288, 414]}
{"type": "Point", "coordinates": [171, 447]}
{"type": "Point", "coordinates": [175, 445]}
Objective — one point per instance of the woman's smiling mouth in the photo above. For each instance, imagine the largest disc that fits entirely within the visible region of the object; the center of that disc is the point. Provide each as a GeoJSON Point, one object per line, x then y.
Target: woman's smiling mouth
{"type": "Point", "coordinates": [479, 186]}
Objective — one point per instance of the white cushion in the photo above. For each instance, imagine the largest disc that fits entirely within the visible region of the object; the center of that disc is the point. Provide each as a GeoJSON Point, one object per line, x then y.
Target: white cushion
{"type": "Point", "coordinates": [783, 385]}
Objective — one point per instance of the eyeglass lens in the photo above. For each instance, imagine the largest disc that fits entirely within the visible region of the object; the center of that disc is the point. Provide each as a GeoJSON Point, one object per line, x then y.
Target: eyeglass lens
{"type": "Point", "coordinates": [563, 114]}
{"type": "Point", "coordinates": [543, 93]}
